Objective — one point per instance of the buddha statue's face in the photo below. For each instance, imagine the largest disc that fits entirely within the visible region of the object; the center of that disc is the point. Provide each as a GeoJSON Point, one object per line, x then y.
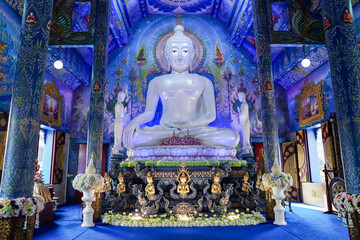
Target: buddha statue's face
{"type": "Point", "coordinates": [180, 56]}
{"type": "Point", "coordinates": [183, 178]}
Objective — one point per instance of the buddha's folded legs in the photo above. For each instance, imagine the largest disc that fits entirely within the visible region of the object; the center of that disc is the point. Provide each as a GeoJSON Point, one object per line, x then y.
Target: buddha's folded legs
{"type": "Point", "coordinates": [209, 136]}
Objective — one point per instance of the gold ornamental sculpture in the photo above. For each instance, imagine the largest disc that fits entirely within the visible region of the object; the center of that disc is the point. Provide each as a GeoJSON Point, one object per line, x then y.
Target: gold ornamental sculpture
{"type": "Point", "coordinates": [309, 104]}
{"type": "Point", "coordinates": [216, 187]}
{"type": "Point", "coordinates": [246, 185]}
{"type": "Point", "coordinates": [183, 178]}
{"type": "Point", "coordinates": [121, 187]}
{"type": "Point", "coordinates": [150, 187]}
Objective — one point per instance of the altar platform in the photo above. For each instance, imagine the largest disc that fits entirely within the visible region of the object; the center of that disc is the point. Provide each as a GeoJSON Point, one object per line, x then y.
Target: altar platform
{"type": "Point", "coordinates": [182, 180]}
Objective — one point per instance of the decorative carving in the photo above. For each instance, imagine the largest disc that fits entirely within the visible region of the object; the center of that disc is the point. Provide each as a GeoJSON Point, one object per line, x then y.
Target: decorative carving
{"type": "Point", "coordinates": [310, 104]}
{"type": "Point", "coordinates": [245, 187]}
{"type": "Point", "coordinates": [216, 187]}
{"type": "Point", "coordinates": [150, 187]}
{"type": "Point", "coordinates": [107, 185]}
{"type": "Point", "coordinates": [51, 105]}
{"type": "Point", "coordinates": [183, 178]}
{"type": "Point", "coordinates": [121, 187]}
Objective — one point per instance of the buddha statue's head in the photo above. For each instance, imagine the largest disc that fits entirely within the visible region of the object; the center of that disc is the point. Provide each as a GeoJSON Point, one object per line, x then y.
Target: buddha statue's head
{"type": "Point", "coordinates": [120, 177]}
{"type": "Point", "coordinates": [246, 176]}
{"type": "Point", "coordinates": [149, 178]}
{"type": "Point", "coordinates": [106, 176]}
{"type": "Point", "coordinates": [183, 177]}
{"type": "Point", "coordinates": [217, 177]}
{"type": "Point", "coordinates": [259, 173]}
{"type": "Point", "coordinates": [241, 96]}
{"type": "Point", "coordinates": [179, 51]}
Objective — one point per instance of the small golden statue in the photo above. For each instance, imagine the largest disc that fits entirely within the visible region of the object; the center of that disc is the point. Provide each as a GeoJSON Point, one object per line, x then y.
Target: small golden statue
{"type": "Point", "coordinates": [121, 187]}
{"type": "Point", "coordinates": [258, 179]}
{"type": "Point", "coordinates": [216, 187]}
{"type": "Point", "coordinates": [183, 179]}
{"type": "Point", "coordinates": [245, 185]}
{"type": "Point", "coordinates": [150, 187]}
{"type": "Point", "coordinates": [107, 182]}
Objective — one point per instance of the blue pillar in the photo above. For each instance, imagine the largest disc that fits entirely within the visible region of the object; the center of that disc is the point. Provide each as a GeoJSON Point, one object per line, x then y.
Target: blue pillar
{"type": "Point", "coordinates": [264, 68]}
{"type": "Point", "coordinates": [23, 133]}
{"type": "Point", "coordinates": [98, 83]}
{"type": "Point", "coordinates": [344, 62]}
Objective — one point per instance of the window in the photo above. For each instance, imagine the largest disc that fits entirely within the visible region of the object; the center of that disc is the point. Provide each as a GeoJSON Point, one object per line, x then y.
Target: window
{"type": "Point", "coordinates": [316, 154]}
{"type": "Point", "coordinates": [45, 151]}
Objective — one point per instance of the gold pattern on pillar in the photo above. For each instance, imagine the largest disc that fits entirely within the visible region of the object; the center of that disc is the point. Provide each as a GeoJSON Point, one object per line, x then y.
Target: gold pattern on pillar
{"type": "Point", "coordinates": [302, 156]}
{"type": "Point", "coordinates": [288, 156]}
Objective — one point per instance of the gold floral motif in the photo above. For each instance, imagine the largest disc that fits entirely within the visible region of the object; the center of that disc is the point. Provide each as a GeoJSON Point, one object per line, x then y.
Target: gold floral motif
{"type": "Point", "coordinates": [12, 228]}
{"type": "Point", "coordinates": [5, 224]}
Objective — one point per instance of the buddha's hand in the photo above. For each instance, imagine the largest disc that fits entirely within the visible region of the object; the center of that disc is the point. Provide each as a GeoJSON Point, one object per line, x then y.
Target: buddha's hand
{"type": "Point", "coordinates": [130, 130]}
{"type": "Point", "coordinates": [178, 125]}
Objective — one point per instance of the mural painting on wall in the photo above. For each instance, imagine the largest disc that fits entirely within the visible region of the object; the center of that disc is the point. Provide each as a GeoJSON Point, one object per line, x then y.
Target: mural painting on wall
{"type": "Point", "coordinates": [142, 60]}
{"type": "Point", "coordinates": [9, 35]}
{"type": "Point", "coordinates": [310, 104]}
{"type": "Point", "coordinates": [305, 20]}
{"type": "Point", "coordinates": [63, 32]}
{"type": "Point", "coordinates": [51, 105]}
{"type": "Point", "coordinates": [63, 114]}
{"type": "Point", "coordinates": [320, 76]}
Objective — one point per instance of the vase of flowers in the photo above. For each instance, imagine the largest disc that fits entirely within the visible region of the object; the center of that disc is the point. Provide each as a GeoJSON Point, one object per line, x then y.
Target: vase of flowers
{"type": "Point", "coordinates": [277, 182]}
{"type": "Point", "coordinates": [39, 179]}
{"type": "Point", "coordinates": [348, 206]}
{"type": "Point", "coordinates": [88, 184]}
{"type": "Point", "coordinates": [88, 211]}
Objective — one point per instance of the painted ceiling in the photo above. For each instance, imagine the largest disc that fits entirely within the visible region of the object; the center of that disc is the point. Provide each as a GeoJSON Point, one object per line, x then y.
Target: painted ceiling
{"type": "Point", "coordinates": [236, 15]}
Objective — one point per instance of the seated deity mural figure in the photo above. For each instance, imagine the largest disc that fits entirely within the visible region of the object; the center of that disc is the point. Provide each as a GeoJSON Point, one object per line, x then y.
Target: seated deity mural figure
{"type": "Point", "coordinates": [188, 102]}
{"type": "Point", "coordinates": [244, 121]}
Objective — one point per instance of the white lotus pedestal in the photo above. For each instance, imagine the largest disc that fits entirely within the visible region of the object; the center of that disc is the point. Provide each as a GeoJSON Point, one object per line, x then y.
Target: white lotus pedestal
{"type": "Point", "coordinates": [88, 212]}
{"type": "Point", "coordinates": [279, 210]}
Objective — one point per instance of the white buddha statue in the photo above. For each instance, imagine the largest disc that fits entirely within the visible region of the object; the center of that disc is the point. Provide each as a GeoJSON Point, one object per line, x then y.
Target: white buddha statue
{"type": "Point", "coordinates": [244, 121]}
{"type": "Point", "coordinates": [188, 102]}
{"type": "Point", "coordinates": [120, 110]}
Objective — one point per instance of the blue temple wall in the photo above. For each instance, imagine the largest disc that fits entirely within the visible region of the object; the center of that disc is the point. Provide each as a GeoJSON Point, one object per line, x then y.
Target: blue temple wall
{"type": "Point", "coordinates": [10, 23]}
{"type": "Point", "coordinates": [140, 61]}
{"type": "Point", "coordinates": [321, 74]}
